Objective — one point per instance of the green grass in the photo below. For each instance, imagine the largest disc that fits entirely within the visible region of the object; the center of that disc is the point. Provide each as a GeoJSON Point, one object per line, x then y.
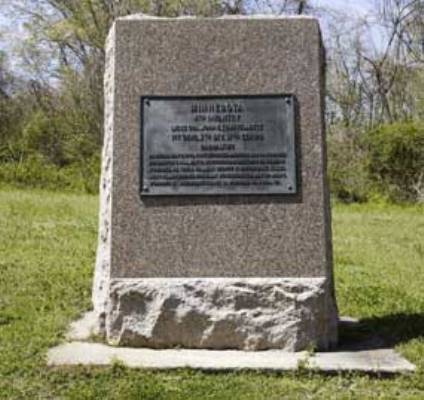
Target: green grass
{"type": "Point", "coordinates": [47, 251]}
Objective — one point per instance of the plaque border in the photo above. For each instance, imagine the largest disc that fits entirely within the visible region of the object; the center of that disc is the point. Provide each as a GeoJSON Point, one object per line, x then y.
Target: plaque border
{"type": "Point", "coordinates": [296, 139]}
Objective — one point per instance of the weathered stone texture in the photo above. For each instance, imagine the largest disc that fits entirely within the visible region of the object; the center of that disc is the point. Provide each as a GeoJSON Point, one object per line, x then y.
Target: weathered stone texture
{"type": "Point", "coordinates": [103, 257]}
{"type": "Point", "coordinates": [246, 314]}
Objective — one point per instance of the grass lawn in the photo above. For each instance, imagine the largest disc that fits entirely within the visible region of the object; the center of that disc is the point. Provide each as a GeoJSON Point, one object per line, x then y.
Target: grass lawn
{"type": "Point", "coordinates": [47, 251]}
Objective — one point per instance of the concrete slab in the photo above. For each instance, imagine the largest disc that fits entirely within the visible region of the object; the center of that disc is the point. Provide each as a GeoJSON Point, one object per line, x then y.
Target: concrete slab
{"type": "Point", "coordinates": [84, 328]}
{"type": "Point", "coordinates": [368, 356]}
{"type": "Point", "coordinates": [381, 361]}
{"type": "Point", "coordinates": [76, 353]}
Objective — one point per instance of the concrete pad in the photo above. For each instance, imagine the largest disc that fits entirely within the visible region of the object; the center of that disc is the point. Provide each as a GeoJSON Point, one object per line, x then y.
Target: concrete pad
{"type": "Point", "coordinates": [84, 328]}
{"type": "Point", "coordinates": [384, 361]}
{"type": "Point", "coordinates": [379, 361]}
{"type": "Point", "coordinates": [76, 353]}
{"type": "Point", "coordinates": [367, 356]}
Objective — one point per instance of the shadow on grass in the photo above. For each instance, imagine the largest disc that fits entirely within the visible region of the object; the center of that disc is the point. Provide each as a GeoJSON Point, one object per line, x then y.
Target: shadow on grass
{"type": "Point", "coordinates": [380, 332]}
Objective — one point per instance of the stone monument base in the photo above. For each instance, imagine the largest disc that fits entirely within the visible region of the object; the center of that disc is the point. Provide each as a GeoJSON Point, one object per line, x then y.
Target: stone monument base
{"type": "Point", "coordinates": [290, 314]}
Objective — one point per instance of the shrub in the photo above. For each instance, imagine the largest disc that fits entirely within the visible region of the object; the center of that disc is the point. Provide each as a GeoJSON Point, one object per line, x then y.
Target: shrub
{"type": "Point", "coordinates": [347, 171]}
{"type": "Point", "coordinates": [36, 172]}
{"type": "Point", "coordinates": [396, 160]}
{"type": "Point", "coordinates": [42, 136]}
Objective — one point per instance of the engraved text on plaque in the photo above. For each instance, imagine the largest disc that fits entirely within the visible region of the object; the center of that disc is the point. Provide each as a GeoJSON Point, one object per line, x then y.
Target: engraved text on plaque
{"type": "Point", "coordinates": [218, 145]}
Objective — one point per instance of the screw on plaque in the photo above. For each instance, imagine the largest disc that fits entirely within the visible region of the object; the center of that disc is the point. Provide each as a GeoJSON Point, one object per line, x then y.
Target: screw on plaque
{"type": "Point", "coordinates": [288, 100]}
{"type": "Point", "coordinates": [145, 188]}
{"type": "Point", "coordinates": [147, 102]}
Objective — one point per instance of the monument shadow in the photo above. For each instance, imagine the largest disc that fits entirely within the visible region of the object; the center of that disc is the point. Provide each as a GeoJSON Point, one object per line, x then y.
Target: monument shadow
{"type": "Point", "coordinates": [380, 331]}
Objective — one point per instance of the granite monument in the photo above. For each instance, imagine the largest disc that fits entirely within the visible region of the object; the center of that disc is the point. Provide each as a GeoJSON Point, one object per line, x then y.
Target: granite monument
{"type": "Point", "coordinates": [214, 219]}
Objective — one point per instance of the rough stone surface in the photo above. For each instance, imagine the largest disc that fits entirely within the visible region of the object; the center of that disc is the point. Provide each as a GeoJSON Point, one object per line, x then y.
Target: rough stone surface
{"type": "Point", "coordinates": [103, 256]}
{"type": "Point", "coordinates": [381, 361]}
{"type": "Point", "coordinates": [247, 314]}
{"type": "Point", "coordinates": [238, 237]}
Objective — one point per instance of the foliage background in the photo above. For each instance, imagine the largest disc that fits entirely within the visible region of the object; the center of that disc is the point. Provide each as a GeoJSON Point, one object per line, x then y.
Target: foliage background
{"type": "Point", "coordinates": [51, 91]}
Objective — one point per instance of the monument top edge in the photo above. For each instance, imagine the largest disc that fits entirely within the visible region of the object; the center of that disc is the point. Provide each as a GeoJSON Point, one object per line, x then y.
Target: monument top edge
{"type": "Point", "coordinates": [144, 17]}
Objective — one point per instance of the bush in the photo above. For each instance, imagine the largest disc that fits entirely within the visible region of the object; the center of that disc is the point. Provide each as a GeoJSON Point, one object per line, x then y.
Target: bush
{"type": "Point", "coordinates": [41, 136]}
{"type": "Point", "coordinates": [36, 172]}
{"type": "Point", "coordinates": [347, 167]}
{"type": "Point", "coordinates": [396, 160]}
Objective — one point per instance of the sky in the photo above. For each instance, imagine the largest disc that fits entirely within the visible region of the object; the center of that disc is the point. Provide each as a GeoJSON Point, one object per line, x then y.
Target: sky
{"type": "Point", "coordinates": [359, 10]}
{"type": "Point", "coordinates": [358, 7]}
{"type": "Point", "coordinates": [10, 31]}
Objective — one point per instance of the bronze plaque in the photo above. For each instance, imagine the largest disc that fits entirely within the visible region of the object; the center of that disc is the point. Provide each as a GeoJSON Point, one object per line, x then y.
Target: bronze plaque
{"type": "Point", "coordinates": [218, 145]}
